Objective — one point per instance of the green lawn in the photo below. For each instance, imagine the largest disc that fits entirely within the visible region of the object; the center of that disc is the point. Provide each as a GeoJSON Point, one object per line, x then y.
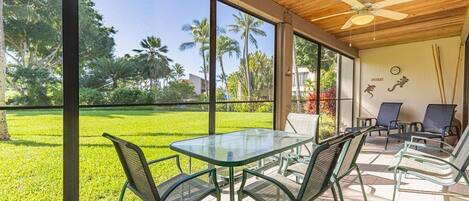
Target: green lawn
{"type": "Point", "coordinates": [31, 163]}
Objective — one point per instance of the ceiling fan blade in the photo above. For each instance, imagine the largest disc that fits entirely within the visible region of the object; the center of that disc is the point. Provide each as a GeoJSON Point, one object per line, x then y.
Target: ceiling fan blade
{"type": "Point", "coordinates": [390, 14]}
{"type": "Point", "coordinates": [354, 3]}
{"type": "Point", "coordinates": [334, 15]}
{"type": "Point", "coordinates": [347, 24]}
{"type": "Point", "coordinates": [387, 3]}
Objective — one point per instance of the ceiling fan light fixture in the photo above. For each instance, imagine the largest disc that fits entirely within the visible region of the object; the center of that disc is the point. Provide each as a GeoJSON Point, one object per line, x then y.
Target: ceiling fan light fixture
{"type": "Point", "coordinates": [362, 18]}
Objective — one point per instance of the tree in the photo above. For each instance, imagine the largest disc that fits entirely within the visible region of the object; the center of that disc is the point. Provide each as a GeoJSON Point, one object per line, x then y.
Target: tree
{"type": "Point", "coordinates": [262, 69]}
{"type": "Point", "coordinates": [155, 63]}
{"type": "Point", "coordinates": [199, 30]}
{"type": "Point", "coordinates": [113, 70]}
{"type": "Point", "coordinates": [4, 135]}
{"type": "Point", "coordinates": [226, 45]}
{"type": "Point", "coordinates": [178, 71]}
{"type": "Point", "coordinates": [248, 27]}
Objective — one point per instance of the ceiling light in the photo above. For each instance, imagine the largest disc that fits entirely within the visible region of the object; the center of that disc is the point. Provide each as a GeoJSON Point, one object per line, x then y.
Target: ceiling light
{"type": "Point", "coordinates": [362, 18]}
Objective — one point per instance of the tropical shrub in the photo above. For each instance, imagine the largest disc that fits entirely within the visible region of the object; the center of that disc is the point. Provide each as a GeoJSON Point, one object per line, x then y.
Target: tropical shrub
{"type": "Point", "coordinates": [327, 104]}
{"type": "Point", "coordinates": [130, 96]}
{"type": "Point", "coordinates": [91, 97]}
{"type": "Point", "coordinates": [176, 92]}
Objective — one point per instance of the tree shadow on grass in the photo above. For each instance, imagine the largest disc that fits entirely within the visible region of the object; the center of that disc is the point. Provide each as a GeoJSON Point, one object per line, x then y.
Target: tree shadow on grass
{"type": "Point", "coordinates": [29, 143]}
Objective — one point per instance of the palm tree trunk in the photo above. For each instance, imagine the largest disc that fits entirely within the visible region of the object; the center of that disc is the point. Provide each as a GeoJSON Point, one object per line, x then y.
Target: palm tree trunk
{"type": "Point", "coordinates": [298, 95]}
{"type": "Point", "coordinates": [204, 68]}
{"type": "Point", "coordinates": [224, 78]}
{"type": "Point", "coordinates": [4, 135]}
{"type": "Point", "coordinates": [246, 65]}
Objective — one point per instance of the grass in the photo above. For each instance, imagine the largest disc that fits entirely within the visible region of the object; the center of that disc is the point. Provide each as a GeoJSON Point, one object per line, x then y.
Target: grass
{"type": "Point", "coordinates": [31, 163]}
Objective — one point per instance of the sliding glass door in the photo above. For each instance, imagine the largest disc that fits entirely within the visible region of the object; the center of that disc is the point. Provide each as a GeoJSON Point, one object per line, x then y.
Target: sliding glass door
{"type": "Point", "coordinates": [322, 83]}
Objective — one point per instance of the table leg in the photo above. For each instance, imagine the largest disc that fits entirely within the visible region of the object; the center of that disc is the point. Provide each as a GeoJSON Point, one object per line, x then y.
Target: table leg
{"type": "Point", "coordinates": [231, 180]}
{"type": "Point", "coordinates": [190, 165]}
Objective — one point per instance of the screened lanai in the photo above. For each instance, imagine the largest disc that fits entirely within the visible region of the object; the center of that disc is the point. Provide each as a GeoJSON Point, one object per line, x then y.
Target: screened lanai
{"type": "Point", "coordinates": [234, 100]}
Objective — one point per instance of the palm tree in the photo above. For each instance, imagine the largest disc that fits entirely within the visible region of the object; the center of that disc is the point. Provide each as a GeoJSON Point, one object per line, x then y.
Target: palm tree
{"type": "Point", "coordinates": [4, 135]}
{"type": "Point", "coordinates": [248, 27]}
{"type": "Point", "coordinates": [115, 70]}
{"type": "Point", "coordinates": [178, 71]}
{"type": "Point", "coordinates": [156, 63]}
{"type": "Point", "coordinates": [199, 31]}
{"type": "Point", "coordinates": [226, 45]}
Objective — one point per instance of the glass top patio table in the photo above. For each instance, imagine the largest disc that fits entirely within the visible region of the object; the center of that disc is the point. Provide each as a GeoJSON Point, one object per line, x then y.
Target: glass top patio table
{"type": "Point", "coordinates": [241, 147]}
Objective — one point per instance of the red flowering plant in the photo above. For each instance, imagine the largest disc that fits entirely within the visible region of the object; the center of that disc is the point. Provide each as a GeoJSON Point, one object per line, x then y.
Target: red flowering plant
{"type": "Point", "coordinates": [327, 105]}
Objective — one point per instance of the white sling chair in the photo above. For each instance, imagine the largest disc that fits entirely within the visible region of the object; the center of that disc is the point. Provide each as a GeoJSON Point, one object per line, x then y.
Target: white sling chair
{"type": "Point", "coordinates": [303, 124]}
{"type": "Point", "coordinates": [431, 168]}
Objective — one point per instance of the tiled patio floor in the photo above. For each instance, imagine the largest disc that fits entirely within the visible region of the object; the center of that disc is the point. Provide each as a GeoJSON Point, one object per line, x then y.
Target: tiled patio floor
{"type": "Point", "coordinates": [373, 162]}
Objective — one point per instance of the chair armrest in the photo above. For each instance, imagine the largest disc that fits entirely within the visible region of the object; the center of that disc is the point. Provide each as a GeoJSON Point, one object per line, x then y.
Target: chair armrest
{"type": "Point", "coordinates": [211, 171]}
{"type": "Point", "coordinates": [178, 164]}
{"type": "Point", "coordinates": [267, 178]}
{"type": "Point", "coordinates": [428, 158]}
{"type": "Point", "coordinates": [408, 144]}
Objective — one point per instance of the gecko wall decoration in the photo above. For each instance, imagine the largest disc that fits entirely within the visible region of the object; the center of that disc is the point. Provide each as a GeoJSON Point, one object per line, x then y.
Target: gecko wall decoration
{"type": "Point", "coordinates": [401, 82]}
{"type": "Point", "coordinates": [370, 90]}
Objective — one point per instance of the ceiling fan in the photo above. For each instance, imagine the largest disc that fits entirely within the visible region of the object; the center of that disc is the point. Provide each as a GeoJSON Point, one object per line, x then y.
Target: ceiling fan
{"type": "Point", "coordinates": [365, 12]}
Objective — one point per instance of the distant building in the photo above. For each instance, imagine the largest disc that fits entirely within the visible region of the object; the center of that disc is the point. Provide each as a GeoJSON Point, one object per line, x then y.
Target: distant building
{"type": "Point", "coordinates": [303, 75]}
{"type": "Point", "coordinates": [198, 82]}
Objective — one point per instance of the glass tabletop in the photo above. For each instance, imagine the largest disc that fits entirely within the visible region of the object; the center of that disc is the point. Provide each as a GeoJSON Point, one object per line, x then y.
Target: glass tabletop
{"type": "Point", "coordinates": [241, 147]}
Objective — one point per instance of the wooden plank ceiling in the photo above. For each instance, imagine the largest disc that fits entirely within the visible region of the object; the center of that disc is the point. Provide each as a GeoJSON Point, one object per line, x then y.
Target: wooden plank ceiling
{"type": "Point", "coordinates": [428, 19]}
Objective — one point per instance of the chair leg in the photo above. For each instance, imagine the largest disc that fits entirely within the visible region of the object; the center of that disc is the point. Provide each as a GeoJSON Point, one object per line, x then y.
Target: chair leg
{"type": "Point", "coordinates": [339, 191]}
{"type": "Point", "coordinates": [386, 145]}
{"type": "Point", "coordinates": [464, 175]}
{"type": "Point", "coordinates": [442, 140]}
{"type": "Point", "coordinates": [397, 184]}
{"type": "Point", "coordinates": [240, 196]}
{"type": "Point", "coordinates": [361, 182]}
{"type": "Point", "coordinates": [379, 133]}
{"type": "Point", "coordinates": [334, 193]}
{"type": "Point", "coordinates": [121, 197]}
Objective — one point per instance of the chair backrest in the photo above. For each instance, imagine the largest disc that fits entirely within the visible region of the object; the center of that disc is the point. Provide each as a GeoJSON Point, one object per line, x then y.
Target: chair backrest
{"type": "Point", "coordinates": [321, 166]}
{"type": "Point", "coordinates": [303, 124]}
{"type": "Point", "coordinates": [136, 169]}
{"type": "Point", "coordinates": [461, 151]}
{"type": "Point", "coordinates": [437, 117]}
{"type": "Point", "coordinates": [350, 152]}
{"type": "Point", "coordinates": [388, 112]}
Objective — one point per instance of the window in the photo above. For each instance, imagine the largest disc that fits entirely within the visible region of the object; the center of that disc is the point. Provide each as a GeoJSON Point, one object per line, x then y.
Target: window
{"type": "Point", "coordinates": [328, 92]}
{"type": "Point", "coordinates": [245, 70]}
{"type": "Point", "coordinates": [304, 75]}
{"type": "Point", "coordinates": [153, 76]}
{"type": "Point", "coordinates": [31, 161]}
{"type": "Point", "coordinates": [335, 91]}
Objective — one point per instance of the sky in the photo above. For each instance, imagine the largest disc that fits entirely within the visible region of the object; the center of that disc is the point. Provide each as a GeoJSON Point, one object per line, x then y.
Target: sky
{"type": "Point", "coordinates": [135, 20]}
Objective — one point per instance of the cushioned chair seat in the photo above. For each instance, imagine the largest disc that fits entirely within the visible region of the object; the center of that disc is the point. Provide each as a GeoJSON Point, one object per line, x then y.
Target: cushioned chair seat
{"type": "Point", "coordinates": [264, 190]}
{"type": "Point", "coordinates": [194, 189]}
{"type": "Point", "coordinates": [423, 167]}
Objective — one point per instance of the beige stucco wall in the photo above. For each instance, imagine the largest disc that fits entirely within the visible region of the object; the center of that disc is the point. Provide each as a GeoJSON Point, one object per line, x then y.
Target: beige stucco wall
{"type": "Point", "coordinates": [416, 62]}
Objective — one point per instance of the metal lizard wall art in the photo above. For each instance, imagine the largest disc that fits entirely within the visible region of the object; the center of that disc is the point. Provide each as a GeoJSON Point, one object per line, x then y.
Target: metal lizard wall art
{"type": "Point", "coordinates": [370, 90]}
{"type": "Point", "coordinates": [401, 82]}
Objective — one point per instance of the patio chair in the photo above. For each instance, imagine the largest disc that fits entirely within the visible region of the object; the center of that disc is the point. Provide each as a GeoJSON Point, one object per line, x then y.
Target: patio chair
{"type": "Point", "coordinates": [304, 124]}
{"type": "Point", "coordinates": [386, 120]}
{"type": "Point", "coordinates": [436, 124]}
{"type": "Point", "coordinates": [347, 163]}
{"type": "Point", "coordinates": [318, 174]}
{"type": "Point", "coordinates": [140, 180]}
{"type": "Point", "coordinates": [432, 168]}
